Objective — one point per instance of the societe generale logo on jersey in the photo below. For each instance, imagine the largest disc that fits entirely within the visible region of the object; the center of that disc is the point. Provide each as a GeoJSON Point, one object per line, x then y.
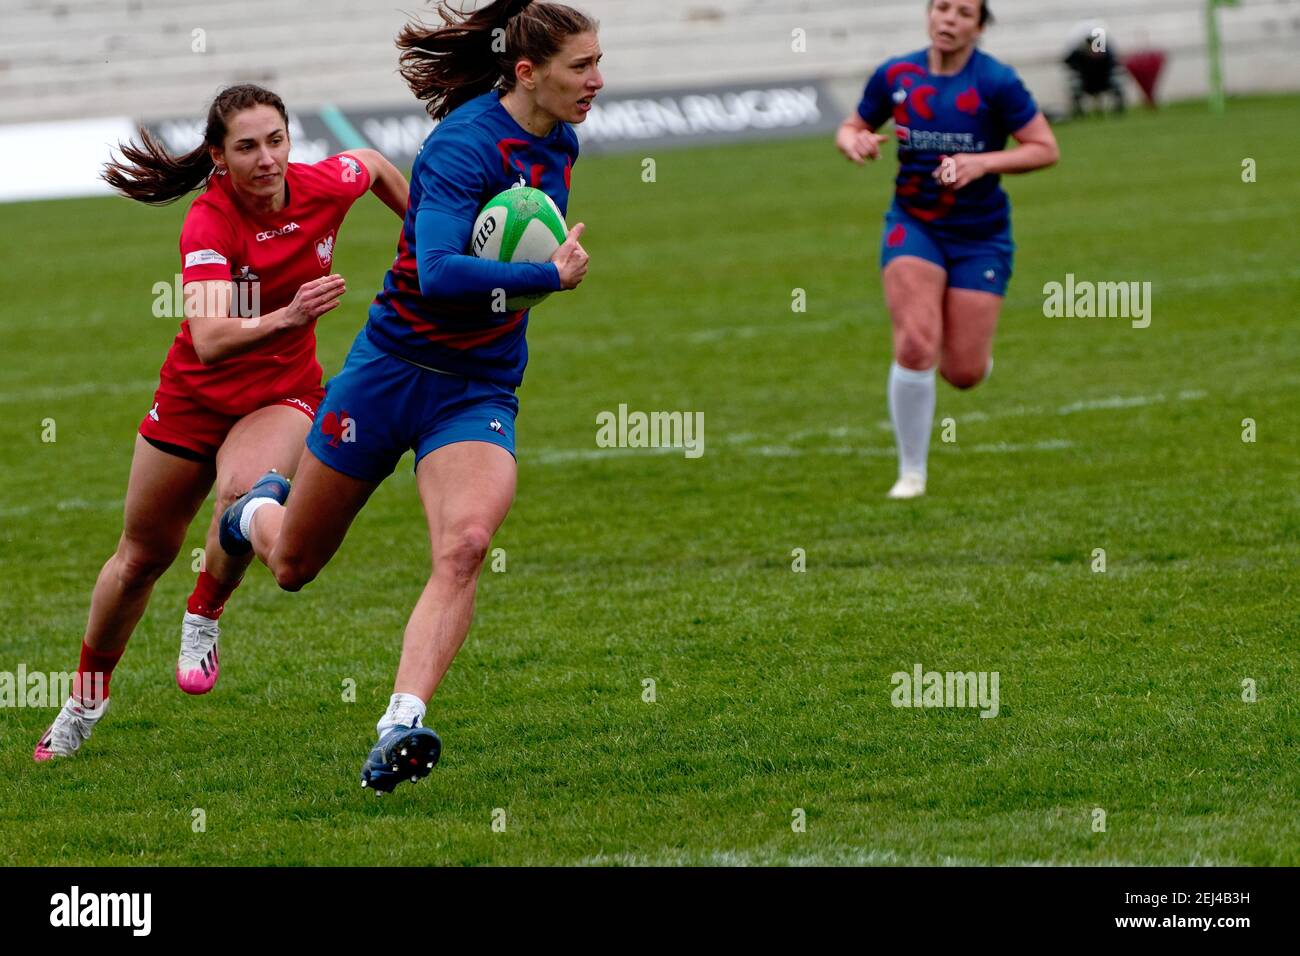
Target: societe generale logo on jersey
{"type": "Point", "coordinates": [325, 250]}
{"type": "Point", "coordinates": [282, 231]}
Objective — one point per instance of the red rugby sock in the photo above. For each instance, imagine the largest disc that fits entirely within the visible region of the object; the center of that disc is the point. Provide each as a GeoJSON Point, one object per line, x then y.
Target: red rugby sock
{"type": "Point", "coordinates": [93, 673]}
{"type": "Point", "coordinates": [210, 596]}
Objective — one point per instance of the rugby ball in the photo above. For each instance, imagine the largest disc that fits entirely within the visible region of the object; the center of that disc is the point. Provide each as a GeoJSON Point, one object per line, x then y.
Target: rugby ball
{"type": "Point", "coordinates": [522, 224]}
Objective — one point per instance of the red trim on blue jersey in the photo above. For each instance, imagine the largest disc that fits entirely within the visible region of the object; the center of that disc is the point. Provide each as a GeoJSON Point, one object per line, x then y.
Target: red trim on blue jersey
{"type": "Point", "coordinates": [406, 281]}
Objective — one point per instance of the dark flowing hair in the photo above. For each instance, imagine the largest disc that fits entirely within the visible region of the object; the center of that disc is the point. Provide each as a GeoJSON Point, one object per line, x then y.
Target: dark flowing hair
{"type": "Point", "coordinates": [986, 15]}
{"type": "Point", "coordinates": [451, 64]}
{"type": "Point", "coordinates": [149, 174]}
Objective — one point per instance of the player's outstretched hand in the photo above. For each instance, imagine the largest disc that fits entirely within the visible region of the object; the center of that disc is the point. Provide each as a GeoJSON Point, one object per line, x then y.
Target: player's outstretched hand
{"type": "Point", "coordinates": [571, 259]}
{"type": "Point", "coordinates": [859, 145]}
{"type": "Point", "coordinates": [315, 298]}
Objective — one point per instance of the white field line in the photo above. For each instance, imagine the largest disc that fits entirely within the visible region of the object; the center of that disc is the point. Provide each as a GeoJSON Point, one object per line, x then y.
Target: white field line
{"type": "Point", "coordinates": [631, 343]}
{"type": "Point", "coordinates": [1128, 401]}
{"type": "Point", "coordinates": [67, 504]}
{"type": "Point", "coordinates": [994, 448]}
{"type": "Point", "coordinates": [782, 447]}
{"type": "Point", "coordinates": [705, 336]}
{"type": "Point", "coordinates": [1024, 292]}
{"type": "Point", "coordinates": [53, 393]}
{"type": "Point", "coordinates": [557, 456]}
{"type": "Point", "coordinates": [1108, 403]}
{"type": "Point", "coordinates": [1212, 280]}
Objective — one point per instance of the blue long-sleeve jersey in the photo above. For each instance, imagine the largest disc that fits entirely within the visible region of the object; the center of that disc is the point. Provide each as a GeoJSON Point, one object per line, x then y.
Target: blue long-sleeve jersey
{"type": "Point", "coordinates": [436, 305]}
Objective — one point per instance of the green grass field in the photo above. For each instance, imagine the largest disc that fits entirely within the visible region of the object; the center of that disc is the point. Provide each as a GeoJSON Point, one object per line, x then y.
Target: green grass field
{"type": "Point", "coordinates": [1119, 690]}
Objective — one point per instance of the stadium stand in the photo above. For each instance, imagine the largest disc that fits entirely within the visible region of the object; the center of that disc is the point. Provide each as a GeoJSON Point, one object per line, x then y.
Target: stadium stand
{"type": "Point", "coordinates": [63, 59]}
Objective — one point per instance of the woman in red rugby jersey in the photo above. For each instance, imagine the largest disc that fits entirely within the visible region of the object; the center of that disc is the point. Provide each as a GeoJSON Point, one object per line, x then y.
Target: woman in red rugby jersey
{"type": "Point", "coordinates": [240, 386]}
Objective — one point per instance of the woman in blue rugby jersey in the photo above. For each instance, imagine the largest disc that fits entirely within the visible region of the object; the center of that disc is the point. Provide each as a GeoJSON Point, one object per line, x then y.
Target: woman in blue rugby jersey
{"type": "Point", "coordinates": [435, 368]}
{"type": "Point", "coordinates": [946, 253]}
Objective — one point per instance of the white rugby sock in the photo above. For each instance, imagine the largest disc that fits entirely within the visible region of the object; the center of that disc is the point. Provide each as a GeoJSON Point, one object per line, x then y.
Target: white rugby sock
{"type": "Point", "coordinates": [911, 408]}
{"type": "Point", "coordinates": [405, 709]}
{"type": "Point", "coordinates": [246, 516]}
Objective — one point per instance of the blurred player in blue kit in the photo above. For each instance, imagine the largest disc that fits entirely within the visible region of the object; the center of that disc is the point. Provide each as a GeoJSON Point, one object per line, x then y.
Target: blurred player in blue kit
{"type": "Point", "coordinates": [946, 252]}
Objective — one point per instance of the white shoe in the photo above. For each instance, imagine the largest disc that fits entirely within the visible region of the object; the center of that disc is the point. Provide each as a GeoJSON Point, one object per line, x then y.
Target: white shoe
{"type": "Point", "coordinates": [70, 730]}
{"type": "Point", "coordinates": [910, 484]}
{"type": "Point", "coordinates": [197, 668]}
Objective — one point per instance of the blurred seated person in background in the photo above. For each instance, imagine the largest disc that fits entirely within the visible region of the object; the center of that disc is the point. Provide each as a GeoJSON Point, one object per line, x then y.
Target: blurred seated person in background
{"type": "Point", "coordinates": [1093, 67]}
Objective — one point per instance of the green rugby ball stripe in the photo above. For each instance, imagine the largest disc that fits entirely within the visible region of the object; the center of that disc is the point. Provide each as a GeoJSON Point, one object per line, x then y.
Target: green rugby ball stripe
{"type": "Point", "coordinates": [521, 224]}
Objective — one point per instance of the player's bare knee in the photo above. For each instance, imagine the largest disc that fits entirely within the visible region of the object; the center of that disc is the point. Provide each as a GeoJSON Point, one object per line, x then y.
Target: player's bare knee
{"type": "Point", "coordinates": [916, 350]}
{"type": "Point", "coordinates": [229, 490]}
{"type": "Point", "coordinates": [461, 552]}
{"type": "Point", "coordinates": [293, 575]}
{"type": "Point", "coordinates": [962, 378]}
{"type": "Point", "coordinates": [139, 563]}
{"type": "Point", "coordinates": [292, 571]}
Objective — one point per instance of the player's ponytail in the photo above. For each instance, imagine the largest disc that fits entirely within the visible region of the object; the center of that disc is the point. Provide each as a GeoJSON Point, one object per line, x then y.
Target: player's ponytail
{"type": "Point", "coordinates": [471, 53]}
{"type": "Point", "coordinates": [148, 173]}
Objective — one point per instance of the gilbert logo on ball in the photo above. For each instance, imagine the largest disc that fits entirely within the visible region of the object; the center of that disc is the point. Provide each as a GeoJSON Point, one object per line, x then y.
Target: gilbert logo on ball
{"type": "Point", "coordinates": [522, 224]}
